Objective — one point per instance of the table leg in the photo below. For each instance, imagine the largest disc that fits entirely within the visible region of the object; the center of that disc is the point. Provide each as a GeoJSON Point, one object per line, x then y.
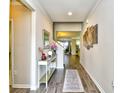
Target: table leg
{"type": "Point", "coordinates": [46, 76]}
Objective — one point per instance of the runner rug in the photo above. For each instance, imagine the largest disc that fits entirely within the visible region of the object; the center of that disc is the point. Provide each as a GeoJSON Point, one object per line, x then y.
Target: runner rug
{"type": "Point", "coordinates": [72, 82]}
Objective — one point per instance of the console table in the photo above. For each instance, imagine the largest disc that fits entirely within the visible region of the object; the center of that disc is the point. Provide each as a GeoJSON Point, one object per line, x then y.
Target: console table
{"type": "Point", "coordinates": [50, 65]}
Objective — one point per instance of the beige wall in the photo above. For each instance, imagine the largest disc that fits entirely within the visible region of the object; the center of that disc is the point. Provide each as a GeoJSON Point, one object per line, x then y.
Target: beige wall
{"type": "Point", "coordinates": [25, 69]}
{"type": "Point", "coordinates": [99, 60]}
{"type": "Point", "coordinates": [22, 40]}
{"type": "Point", "coordinates": [42, 21]}
{"type": "Point", "coordinates": [73, 47]}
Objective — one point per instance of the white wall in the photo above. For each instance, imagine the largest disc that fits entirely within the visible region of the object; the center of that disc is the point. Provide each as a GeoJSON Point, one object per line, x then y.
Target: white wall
{"type": "Point", "coordinates": [60, 56]}
{"type": "Point", "coordinates": [67, 26]}
{"type": "Point", "coordinates": [99, 60]}
{"type": "Point", "coordinates": [4, 50]}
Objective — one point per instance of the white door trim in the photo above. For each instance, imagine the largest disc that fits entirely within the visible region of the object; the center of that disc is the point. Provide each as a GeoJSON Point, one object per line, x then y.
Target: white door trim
{"type": "Point", "coordinates": [33, 83]}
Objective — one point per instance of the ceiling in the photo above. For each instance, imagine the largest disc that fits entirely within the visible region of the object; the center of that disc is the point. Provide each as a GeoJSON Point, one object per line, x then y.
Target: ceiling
{"type": "Point", "coordinates": [58, 9]}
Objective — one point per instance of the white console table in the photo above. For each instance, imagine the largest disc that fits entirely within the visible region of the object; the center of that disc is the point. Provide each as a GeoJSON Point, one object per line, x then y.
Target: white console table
{"type": "Point", "coordinates": [50, 65]}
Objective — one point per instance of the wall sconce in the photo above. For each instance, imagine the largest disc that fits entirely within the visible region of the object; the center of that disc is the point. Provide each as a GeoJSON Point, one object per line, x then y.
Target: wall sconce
{"type": "Point", "coordinates": [87, 21]}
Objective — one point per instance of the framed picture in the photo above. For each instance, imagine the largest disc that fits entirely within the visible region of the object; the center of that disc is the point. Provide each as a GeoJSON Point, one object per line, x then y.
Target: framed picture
{"type": "Point", "coordinates": [95, 34]}
{"type": "Point", "coordinates": [90, 36]}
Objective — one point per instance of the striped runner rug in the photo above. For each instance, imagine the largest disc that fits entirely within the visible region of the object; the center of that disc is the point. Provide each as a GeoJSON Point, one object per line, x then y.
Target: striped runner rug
{"type": "Point", "coordinates": [72, 81]}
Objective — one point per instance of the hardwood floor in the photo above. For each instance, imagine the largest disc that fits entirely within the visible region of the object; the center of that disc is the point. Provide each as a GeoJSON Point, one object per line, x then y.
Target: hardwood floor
{"type": "Point", "coordinates": [19, 90]}
{"type": "Point", "coordinates": [56, 82]}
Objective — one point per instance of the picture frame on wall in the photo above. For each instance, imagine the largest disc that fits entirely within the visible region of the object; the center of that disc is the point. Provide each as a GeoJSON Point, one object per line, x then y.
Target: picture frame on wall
{"type": "Point", "coordinates": [95, 34]}
{"type": "Point", "coordinates": [90, 36]}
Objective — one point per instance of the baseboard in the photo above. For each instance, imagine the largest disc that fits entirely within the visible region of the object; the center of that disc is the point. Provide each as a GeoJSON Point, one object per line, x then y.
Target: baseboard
{"type": "Point", "coordinates": [34, 88]}
{"type": "Point", "coordinates": [94, 80]}
{"type": "Point", "coordinates": [60, 67]}
{"type": "Point", "coordinates": [21, 86]}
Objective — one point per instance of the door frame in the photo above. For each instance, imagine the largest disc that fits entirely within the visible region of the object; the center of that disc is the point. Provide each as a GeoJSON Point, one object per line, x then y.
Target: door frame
{"type": "Point", "coordinates": [12, 49]}
{"type": "Point", "coordinates": [33, 74]}
{"type": "Point", "coordinates": [31, 6]}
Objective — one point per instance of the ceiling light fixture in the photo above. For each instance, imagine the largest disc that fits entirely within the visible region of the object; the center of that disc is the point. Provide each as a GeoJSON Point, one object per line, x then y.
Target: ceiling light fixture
{"type": "Point", "coordinates": [69, 13]}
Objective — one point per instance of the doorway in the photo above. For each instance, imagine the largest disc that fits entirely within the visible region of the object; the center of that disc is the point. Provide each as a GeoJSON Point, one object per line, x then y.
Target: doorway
{"type": "Point", "coordinates": [11, 51]}
{"type": "Point", "coordinates": [21, 27]}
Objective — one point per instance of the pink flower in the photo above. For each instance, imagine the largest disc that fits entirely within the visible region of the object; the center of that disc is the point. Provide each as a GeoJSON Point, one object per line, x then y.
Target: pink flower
{"type": "Point", "coordinates": [53, 46]}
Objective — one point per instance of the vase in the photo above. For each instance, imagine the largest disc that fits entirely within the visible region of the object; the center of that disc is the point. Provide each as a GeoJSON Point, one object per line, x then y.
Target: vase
{"type": "Point", "coordinates": [43, 56]}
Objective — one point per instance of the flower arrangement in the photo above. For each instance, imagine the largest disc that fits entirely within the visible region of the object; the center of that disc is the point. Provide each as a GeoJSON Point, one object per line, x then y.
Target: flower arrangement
{"type": "Point", "coordinates": [53, 46]}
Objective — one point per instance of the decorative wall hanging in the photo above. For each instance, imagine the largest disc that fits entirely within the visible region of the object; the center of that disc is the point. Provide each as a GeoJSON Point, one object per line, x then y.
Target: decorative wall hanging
{"type": "Point", "coordinates": [90, 36]}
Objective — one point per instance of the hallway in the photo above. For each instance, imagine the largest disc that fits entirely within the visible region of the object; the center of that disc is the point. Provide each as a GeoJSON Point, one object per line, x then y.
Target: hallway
{"type": "Point", "coordinates": [57, 80]}
{"type": "Point", "coordinates": [59, 18]}
{"type": "Point", "coordinates": [58, 36]}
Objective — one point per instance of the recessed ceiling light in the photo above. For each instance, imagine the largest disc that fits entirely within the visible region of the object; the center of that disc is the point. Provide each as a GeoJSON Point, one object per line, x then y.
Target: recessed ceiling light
{"type": "Point", "coordinates": [69, 13]}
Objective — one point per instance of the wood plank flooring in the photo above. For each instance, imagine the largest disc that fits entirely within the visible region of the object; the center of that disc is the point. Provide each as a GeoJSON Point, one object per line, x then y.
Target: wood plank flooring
{"type": "Point", "coordinates": [56, 82]}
